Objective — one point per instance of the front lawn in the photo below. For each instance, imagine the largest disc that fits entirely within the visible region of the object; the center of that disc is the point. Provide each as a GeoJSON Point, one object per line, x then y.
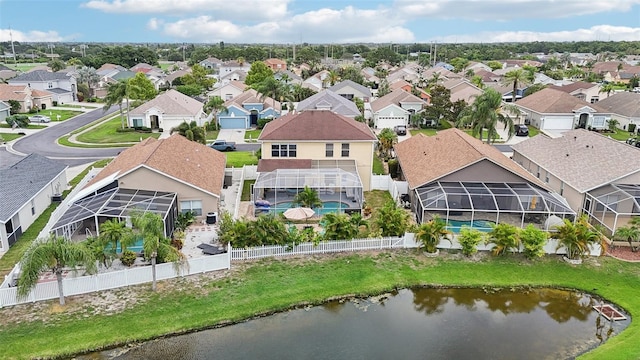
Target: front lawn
{"type": "Point", "coordinates": [30, 126]}
{"type": "Point", "coordinates": [241, 158]}
{"type": "Point", "coordinates": [533, 131]}
{"type": "Point", "coordinates": [621, 135]}
{"type": "Point", "coordinates": [272, 285]}
{"type": "Point", "coordinates": [428, 132]}
{"type": "Point", "coordinates": [252, 134]}
{"type": "Point", "coordinates": [106, 133]}
{"type": "Point", "coordinates": [53, 114]}
{"type": "Point", "coordinates": [9, 136]}
{"type": "Point", "coordinates": [212, 135]}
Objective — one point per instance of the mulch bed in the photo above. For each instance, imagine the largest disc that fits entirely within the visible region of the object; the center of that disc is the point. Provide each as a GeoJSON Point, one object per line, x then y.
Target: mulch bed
{"type": "Point", "coordinates": [623, 253]}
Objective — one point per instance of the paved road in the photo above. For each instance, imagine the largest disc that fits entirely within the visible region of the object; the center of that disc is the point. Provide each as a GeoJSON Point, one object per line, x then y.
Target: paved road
{"type": "Point", "coordinates": [503, 148]}
{"type": "Point", "coordinates": [44, 142]}
{"type": "Point", "coordinates": [248, 147]}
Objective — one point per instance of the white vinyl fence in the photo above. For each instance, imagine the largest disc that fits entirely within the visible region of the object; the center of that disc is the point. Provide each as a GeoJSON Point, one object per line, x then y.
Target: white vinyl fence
{"type": "Point", "coordinates": [385, 182]}
{"type": "Point", "coordinates": [115, 279]}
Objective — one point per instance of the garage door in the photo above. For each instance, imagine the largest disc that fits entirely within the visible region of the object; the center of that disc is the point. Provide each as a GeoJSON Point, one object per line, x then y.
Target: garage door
{"type": "Point", "coordinates": [233, 123]}
{"type": "Point", "coordinates": [390, 121]}
{"type": "Point", "coordinates": [557, 124]}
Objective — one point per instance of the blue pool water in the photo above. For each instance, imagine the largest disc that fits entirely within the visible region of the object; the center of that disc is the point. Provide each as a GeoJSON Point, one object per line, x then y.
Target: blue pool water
{"type": "Point", "coordinates": [482, 225]}
{"type": "Point", "coordinates": [136, 247]}
{"type": "Point", "coordinates": [327, 207]}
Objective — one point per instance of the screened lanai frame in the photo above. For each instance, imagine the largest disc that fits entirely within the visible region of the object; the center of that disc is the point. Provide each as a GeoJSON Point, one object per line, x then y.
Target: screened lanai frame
{"type": "Point", "coordinates": [514, 203]}
{"type": "Point", "coordinates": [331, 183]}
{"type": "Point", "coordinates": [117, 203]}
{"type": "Point", "coordinates": [613, 206]}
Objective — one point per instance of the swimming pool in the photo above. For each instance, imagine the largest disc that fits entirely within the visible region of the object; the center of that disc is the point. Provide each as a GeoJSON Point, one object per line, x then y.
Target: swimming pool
{"type": "Point", "coordinates": [327, 207]}
{"type": "Point", "coordinates": [482, 225]}
{"type": "Point", "coordinates": [136, 247]}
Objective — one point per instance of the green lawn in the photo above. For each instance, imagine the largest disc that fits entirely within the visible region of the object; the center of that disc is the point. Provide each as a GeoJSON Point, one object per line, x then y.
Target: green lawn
{"type": "Point", "coordinates": [212, 135]}
{"type": "Point", "coordinates": [106, 133]}
{"type": "Point", "coordinates": [246, 190]}
{"type": "Point", "coordinates": [252, 134]}
{"type": "Point", "coordinates": [23, 67]}
{"type": "Point", "coordinates": [428, 132]}
{"type": "Point", "coordinates": [9, 136]}
{"type": "Point", "coordinates": [53, 114]}
{"type": "Point", "coordinates": [378, 166]}
{"type": "Point", "coordinates": [266, 286]}
{"type": "Point", "coordinates": [88, 106]}
{"type": "Point", "coordinates": [29, 126]}
{"type": "Point", "coordinates": [376, 198]}
{"type": "Point", "coordinates": [533, 131]}
{"type": "Point", "coordinates": [240, 158]}
{"type": "Point", "coordinates": [620, 134]}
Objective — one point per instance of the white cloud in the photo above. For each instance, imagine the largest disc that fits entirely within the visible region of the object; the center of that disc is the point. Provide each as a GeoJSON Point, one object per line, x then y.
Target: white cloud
{"type": "Point", "coordinates": [32, 36]}
{"type": "Point", "coordinates": [594, 33]}
{"type": "Point", "coordinates": [318, 26]}
{"type": "Point", "coordinates": [502, 10]}
{"type": "Point", "coordinates": [223, 9]}
{"type": "Point", "coordinates": [154, 24]}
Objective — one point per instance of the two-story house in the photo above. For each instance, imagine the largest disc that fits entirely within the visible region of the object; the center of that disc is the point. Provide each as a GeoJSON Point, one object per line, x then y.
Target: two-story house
{"type": "Point", "coordinates": [228, 91]}
{"type": "Point", "coordinates": [244, 110]}
{"type": "Point", "coordinates": [583, 90]}
{"type": "Point", "coordinates": [328, 152]}
{"type": "Point", "coordinates": [211, 63]}
{"type": "Point", "coordinates": [276, 64]}
{"type": "Point", "coordinates": [61, 85]}
{"type": "Point", "coordinates": [166, 111]}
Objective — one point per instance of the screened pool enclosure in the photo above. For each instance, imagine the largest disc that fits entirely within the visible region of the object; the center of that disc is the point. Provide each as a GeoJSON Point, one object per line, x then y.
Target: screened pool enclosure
{"type": "Point", "coordinates": [613, 205]}
{"type": "Point", "coordinates": [84, 216]}
{"type": "Point", "coordinates": [340, 190]}
{"type": "Point", "coordinates": [479, 205]}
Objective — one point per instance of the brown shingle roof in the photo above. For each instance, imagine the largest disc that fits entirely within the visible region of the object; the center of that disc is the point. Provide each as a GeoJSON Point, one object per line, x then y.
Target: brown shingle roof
{"type": "Point", "coordinates": [395, 97]}
{"type": "Point", "coordinates": [582, 167]}
{"type": "Point", "coordinates": [250, 96]}
{"type": "Point", "coordinates": [171, 102]}
{"type": "Point", "coordinates": [552, 101]}
{"type": "Point", "coordinates": [316, 125]}
{"type": "Point", "coordinates": [175, 156]}
{"type": "Point", "coordinates": [424, 159]}
{"type": "Point", "coordinates": [268, 165]}
{"type": "Point", "coordinates": [622, 103]}
{"type": "Point", "coordinates": [578, 85]}
{"type": "Point", "coordinates": [12, 92]}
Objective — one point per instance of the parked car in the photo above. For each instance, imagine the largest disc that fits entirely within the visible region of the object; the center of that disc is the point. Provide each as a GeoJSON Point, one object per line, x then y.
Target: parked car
{"type": "Point", "coordinates": [223, 145]}
{"type": "Point", "coordinates": [631, 141]}
{"type": "Point", "coordinates": [39, 119]}
{"type": "Point", "coordinates": [521, 130]}
{"type": "Point", "coordinates": [400, 129]}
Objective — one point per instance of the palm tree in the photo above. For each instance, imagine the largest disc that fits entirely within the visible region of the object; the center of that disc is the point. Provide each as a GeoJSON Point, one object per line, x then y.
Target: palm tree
{"type": "Point", "coordinates": [116, 93]}
{"type": "Point", "coordinates": [606, 88]}
{"type": "Point", "coordinates": [191, 131]}
{"type": "Point", "coordinates": [469, 238]}
{"type": "Point", "coordinates": [339, 227]}
{"type": "Point", "coordinates": [114, 231]}
{"type": "Point", "coordinates": [575, 237]}
{"type": "Point", "coordinates": [477, 81]}
{"type": "Point", "coordinates": [387, 139]}
{"type": "Point", "coordinates": [505, 237]}
{"type": "Point", "coordinates": [269, 87]}
{"type": "Point", "coordinates": [392, 220]}
{"type": "Point", "coordinates": [154, 244]}
{"type": "Point", "coordinates": [516, 78]}
{"type": "Point", "coordinates": [631, 232]}
{"type": "Point", "coordinates": [485, 113]}
{"type": "Point", "coordinates": [612, 124]}
{"type": "Point", "coordinates": [307, 198]}
{"type": "Point", "coordinates": [53, 254]}
{"type": "Point", "coordinates": [333, 77]}
{"type": "Point", "coordinates": [430, 233]}
{"type": "Point", "coordinates": [88, 75]}
{"type": "Point", "coordinates": [214, 106]}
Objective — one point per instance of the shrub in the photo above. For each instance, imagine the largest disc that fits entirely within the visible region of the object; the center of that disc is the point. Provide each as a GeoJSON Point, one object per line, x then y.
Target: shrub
{"type": "Point", "coordinates": [125, 130]}
{"type": "Point", "coordinates": [505, 239]}
{"type": "Point", "coordinates": [533, 241]}
{"type": "Point", "coordinates": [632, 128]}
{"type": "Point", "coordinates": [33, 110]}
{"type": "Point", "coordinates": [128, 257]}
{"type": "Point", "coordinates": [393, 168]}
{"type": "Point", "coordinates": [263, 122]}
{"type": "Point", "coordinates": [469, 240]}
{"type": "Point", "coordinates": [80, 97]}
{"type": "Point", "coordinates": [211, 125]}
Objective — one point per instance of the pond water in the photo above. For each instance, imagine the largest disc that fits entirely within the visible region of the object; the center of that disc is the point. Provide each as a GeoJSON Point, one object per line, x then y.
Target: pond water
{"type": "Point", "coordinates": [408, 324]}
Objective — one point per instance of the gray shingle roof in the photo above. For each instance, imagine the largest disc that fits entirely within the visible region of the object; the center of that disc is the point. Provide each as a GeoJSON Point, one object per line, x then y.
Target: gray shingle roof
{"type": "Point", "coordinates": [583, 159]}
{"type": "Point", "coordinates": [22, 180]}
{"type": "Point", "coordinates": [352, 84]}
{"type": "Point", "coordinates": [40, 75]}
{"type": "Point", "coordinates": [622, 103]}
{"type": "Point", "coordinates": [339, 104]}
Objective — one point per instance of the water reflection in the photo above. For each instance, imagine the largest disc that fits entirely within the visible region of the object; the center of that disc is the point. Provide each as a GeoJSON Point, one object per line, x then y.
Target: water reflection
{"type": "Point", "coordinates": [408, 324]}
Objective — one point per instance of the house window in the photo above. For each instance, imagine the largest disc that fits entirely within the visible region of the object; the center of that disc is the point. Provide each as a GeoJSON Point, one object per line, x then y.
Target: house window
{"type": "Point", "coordinates": [329, 150]}
{"type": "Point", "coordinates": [50, 85]}
{"type": "Point", "coordinates": [137, 122]}
{"type": "Point", "coordinates": [546, 178]}
{"type": "Point", "coordinates": [595, 99]}
{"type": "Point", "coordinates": [33, 207]}
{"type": "Point", "coordinates": [561, 188]}
{"type": "Point", "coordinates": [191, 205]}
{"type": "Point", "coordinates": [345, 150]}
{"type": "Point", "coordinates": [538, 172]}
{"type": "Point", "coordinates": [284, 150]}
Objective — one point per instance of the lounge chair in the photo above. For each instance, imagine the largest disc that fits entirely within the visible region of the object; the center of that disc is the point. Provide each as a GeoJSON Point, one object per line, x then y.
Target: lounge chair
{"type": "Point", "coordinates": [208, 249]}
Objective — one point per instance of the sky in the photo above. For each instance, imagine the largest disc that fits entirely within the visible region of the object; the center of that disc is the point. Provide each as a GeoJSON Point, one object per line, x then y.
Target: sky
{"type": "Point", "coordinates": [326, 21]}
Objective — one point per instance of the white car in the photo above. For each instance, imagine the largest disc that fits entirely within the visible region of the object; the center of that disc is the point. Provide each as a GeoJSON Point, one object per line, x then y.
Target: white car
{"type": "Point", "coordinates": [39, 119]}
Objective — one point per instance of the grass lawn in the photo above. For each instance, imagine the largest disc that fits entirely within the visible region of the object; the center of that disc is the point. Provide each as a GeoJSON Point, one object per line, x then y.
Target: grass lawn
{"type": "Point", "coordinates": [378, 166]}
{"type": "Point", "coordinates": [252, 134]}
{"type": "Point", "coordinates": [269, 285]}
{"type": "Point", "coordinates": [620, 134]}
{"type": "Point", "coordinates": [106, 133]}
{"type": "Point", "coordinates": [241, 158]}
{"type": "Point", "coordinates": [29, 126]}
{"type": "Point", "coordinates": [53, 114]}
{"type": "Point", "coordinates": [376, 198]}
{"type": "Point", "coordinates": [9, 136]}
{"type": "Point", "coordinates": [246, 190]}
{"type": "Point", "coordinates": [88, 106]}
{"type": "Point", "coordinates": [428, 132]}
{"type": "Point", "coordinates": [23, 67]}
{"type": "Point", "coordinates": [533, 131]}
{"type": "Point", "coordinates": [212, 135]}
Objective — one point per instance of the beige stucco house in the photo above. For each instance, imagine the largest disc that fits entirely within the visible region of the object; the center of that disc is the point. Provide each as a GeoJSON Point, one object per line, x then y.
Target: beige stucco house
{"type": "Point", "coordinates": [320, 149]}
{"type": "Point", "coordinates": [596, 174]}
{"type": "Point", "coordinates": [164, 176]}
{"type": "Point", "coordinates": [583, 90]}
{"type": "Point", "coordinates": [469, 183]}
{"type": "Point", "coordinates": [624, 107]}
{"type": "Point", "coordinates": [167, 111]}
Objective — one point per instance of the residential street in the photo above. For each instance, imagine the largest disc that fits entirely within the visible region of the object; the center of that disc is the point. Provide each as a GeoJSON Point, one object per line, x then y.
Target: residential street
{"type": "Point", "coordinates": [44, 142]}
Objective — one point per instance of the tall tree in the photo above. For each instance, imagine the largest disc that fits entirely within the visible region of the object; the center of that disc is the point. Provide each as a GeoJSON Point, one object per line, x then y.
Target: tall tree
{"type": "Point", "coordinates": [386, 140]}
{"type": "Point", "coordinates": [214, 106]}
{"type": "Point", "coordinates": [114, 231]}
{"type": "Point", "coordinates": [272, 88]}
{"type": "Point", "coordinates": [88, 75]}
{"type": "Point", "coordinates": [53, 254]}
{"type": "Point", "coordinates": [141, 88]}
{"type": "Point", "coordinates": [392, 220]}
{"type": "Point", "coordinates": [606, 88]}
{"type": "Point", "coordinates": [258, 73]}
{"type": "Point", "coordinates": [485, 113]}
{"type": "Point", "coordinates": [56, 65]}
{"type": "Point", "coordinates": [155, 245]}
{"type": "Point", "coordinates": [116, 94]}
{"type": "Point", "coordinates": [191, 131]}
{"type": "Point", "coordinates": [516, 78]}
{"type": "Point", "coordinates": [198, 77]}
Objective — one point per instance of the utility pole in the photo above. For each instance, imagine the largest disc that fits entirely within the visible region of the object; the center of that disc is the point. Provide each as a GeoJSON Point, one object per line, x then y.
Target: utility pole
{"type": "Point", "coordinates": [435, 53]}
{"type": "Point", "coordinates": [13, 49]}
{"type": "Point", "coordinates": [184, 58]}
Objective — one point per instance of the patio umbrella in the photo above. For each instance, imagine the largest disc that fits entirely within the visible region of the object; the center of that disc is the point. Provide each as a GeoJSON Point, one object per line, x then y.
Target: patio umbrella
{"type": "Point", "coordinates": [298, 213]}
